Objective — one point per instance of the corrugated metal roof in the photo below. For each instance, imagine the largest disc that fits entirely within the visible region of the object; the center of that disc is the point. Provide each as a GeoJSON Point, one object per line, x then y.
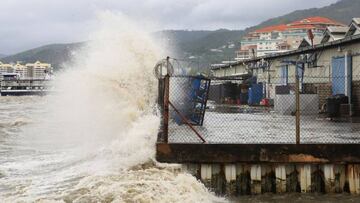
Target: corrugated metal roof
{"type": "Point", "coordinates": [356, 20]}
{"type": "Point", "coordinates": [338, 29]}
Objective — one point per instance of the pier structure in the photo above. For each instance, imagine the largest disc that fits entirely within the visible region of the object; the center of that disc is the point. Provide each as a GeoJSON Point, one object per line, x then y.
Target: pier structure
{"type": "Point", "coordinates": [245, 169]}
{"type": "Point", "coordinates": [29, 79]}
{"type": "Point", "coordinates": [249, 143]}
{"type": "Point", "coordinates": [284, 164]}
{"type": "Point", "coordinates": [17, 87]}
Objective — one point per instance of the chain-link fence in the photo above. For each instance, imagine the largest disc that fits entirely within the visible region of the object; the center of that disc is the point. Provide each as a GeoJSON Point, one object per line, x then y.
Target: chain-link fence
{"type": "Point", "coordinates": [252, 110]}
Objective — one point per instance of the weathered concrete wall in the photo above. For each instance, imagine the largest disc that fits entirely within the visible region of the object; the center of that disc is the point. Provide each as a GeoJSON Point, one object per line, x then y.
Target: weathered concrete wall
{"type": "Point", "coordinates": [246, 179]}
{"type": "Point", "coordinates": [356, 66]}
{"type": "Point", "coordinates": [323, 90]}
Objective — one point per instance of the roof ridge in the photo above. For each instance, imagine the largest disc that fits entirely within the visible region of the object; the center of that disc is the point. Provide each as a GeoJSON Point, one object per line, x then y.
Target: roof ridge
{"type": "Point", "coordinates": [281, 27]}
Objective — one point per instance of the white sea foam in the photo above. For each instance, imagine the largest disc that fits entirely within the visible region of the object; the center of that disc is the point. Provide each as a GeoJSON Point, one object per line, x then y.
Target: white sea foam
{"type": "Point", "coordinates": [99, 130]}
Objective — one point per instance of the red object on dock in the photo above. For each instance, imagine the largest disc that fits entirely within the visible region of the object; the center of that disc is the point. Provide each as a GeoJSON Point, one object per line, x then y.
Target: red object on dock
{"type": "Point", "coordinates": [265, 102]}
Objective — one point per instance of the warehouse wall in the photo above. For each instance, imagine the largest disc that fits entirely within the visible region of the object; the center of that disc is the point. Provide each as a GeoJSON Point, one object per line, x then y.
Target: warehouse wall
{"type": "Point", "coordinates": [316, 79]}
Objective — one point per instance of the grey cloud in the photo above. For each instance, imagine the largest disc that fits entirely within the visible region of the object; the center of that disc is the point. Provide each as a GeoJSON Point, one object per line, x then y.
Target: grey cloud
{"type": "Point", "coordinates": [31, 23]}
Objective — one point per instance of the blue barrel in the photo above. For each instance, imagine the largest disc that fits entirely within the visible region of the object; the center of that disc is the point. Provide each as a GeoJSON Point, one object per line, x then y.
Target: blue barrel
{"type": "Point", "coordinates": [255, 94]}
{"type": "Point", "coordinates": [196, 84]}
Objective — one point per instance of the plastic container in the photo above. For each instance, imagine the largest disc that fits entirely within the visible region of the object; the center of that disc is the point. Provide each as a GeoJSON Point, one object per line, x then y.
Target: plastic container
{"type": "Point", "coordinates": [255, 94]}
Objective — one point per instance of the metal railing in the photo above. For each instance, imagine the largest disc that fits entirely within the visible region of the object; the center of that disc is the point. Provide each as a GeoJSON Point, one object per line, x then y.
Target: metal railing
{"type": "Point", "coordinates": [259, 111]}
{"type": "Point", "coordinates": [244, 111]}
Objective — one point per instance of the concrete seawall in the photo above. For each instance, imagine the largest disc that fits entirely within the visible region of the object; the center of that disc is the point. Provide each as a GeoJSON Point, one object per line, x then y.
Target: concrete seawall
{"type": "Point", "coordinates": [252, 179]}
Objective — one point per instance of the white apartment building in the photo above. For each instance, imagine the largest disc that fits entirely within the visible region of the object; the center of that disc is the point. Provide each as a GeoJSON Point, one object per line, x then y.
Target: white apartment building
{"type": "Point", "coordinates": [21, 70]}
{"type": "Point", "coordinates": [6, 68]}
{"type": "Point", "coordinates": [37, 70]}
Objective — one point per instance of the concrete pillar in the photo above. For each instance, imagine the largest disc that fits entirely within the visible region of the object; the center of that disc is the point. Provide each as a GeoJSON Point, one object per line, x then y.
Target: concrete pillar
{"type": "Point", "coordinates": [280, 174]}
{"type": "Point", "coordinates": [329, 178]}
{"type": "Point", "coordinates": [255, 175]}
{"type": "Point", "coordinates": [353, 178]}
{"type": "Point", "coordinates": [205, 174]}
{"type": "Point", "coordinates": [305, 178]}
{"type": "Point", "coordinates": [230, 176]}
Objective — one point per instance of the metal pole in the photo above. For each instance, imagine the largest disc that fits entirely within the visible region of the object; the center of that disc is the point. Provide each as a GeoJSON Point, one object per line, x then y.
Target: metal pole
{"type": "Point", "coordinates": [166, 103]}
{"type": "Point", "coordinates": [348, 79]}
{"type": "Point", "coordinates": [166, 109]}
{"type": "Point", "coordinates": [187, 122]}
{"type": "Point", "coordinates": [161, 107]}
{"type": "Point", "coordinates": [297, 93]}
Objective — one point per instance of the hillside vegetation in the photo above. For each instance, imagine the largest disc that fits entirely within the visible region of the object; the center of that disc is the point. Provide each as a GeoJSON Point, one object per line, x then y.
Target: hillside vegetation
{"type": "Point", "coordinates": [56, 54]}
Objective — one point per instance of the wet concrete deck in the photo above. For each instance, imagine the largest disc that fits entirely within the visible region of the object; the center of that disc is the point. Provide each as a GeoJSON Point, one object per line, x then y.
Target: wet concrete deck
{"type": "Point", "coordinates": [263, 127]}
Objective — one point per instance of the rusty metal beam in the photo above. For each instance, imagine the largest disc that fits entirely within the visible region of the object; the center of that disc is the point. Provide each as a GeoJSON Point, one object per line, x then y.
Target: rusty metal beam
{"type": "Point", "coordinates": [187, 122]}
{"type": "Point", "coordinates": [258, 153]}
{"type": "Point", "coordinates": [166, 109]}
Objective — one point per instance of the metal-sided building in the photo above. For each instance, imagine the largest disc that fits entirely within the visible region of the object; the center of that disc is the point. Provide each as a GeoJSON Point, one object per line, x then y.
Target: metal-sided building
{"type": "Point", "coordinates": [326, 69]}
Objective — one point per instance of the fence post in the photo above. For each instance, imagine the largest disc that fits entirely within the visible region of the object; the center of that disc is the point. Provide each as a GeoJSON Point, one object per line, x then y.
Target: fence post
{"type": "Point", "coordinates": [297, 114]}
{"type": "Point", "coordinates": [166, 109]}
{"type": "Point", "coordinates": [161, 107]}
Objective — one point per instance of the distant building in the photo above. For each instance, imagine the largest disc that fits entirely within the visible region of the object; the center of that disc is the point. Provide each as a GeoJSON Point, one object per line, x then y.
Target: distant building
{"type": "Point", "coordinates": [6, 68]}
{"type": "Point", "coordinates": [37, 70]}
{"type": "Point", "coordinates": [246, 52]}
{"type": "Point", "coordinates": [21, 70]}
{"type": "Point", "coordinates": [282, 38]}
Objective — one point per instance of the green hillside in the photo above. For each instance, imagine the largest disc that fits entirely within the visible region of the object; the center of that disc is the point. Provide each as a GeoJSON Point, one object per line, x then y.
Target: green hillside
{"type": "Point", "coordinates": [205, 46]}
{"type": "Point", "coordinates": [56, 54]}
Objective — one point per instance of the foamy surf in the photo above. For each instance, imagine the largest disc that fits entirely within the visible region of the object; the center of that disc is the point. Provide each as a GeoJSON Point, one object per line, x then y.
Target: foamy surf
{"type": "Point", "coordinates": [144, 183]}
{"type": "Point", "coordinates": [94, 141]}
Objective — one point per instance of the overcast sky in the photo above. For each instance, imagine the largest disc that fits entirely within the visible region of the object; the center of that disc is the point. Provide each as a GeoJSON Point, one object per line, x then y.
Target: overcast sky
{"type": "Point", "coordinates": [28, 24]}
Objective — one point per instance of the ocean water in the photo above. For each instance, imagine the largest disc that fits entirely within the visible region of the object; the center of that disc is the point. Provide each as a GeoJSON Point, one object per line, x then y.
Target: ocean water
{"type": "Point", "coordinates": [93, 140]}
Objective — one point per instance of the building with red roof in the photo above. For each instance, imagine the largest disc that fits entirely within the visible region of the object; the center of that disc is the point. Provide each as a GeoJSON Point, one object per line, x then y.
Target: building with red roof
{"type": "Point", "coordinates": [271, 39]}
{"type": "Point", "coordinates": [316, 21]}
{"type": "Point", "coordinates": [278, 28]}
{"type": "Point", "coordinates": [307, 23]}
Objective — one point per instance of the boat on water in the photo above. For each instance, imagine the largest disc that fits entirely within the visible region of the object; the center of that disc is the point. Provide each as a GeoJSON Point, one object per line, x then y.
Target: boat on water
{"type": "Point", "coordinates": [11, 84]}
